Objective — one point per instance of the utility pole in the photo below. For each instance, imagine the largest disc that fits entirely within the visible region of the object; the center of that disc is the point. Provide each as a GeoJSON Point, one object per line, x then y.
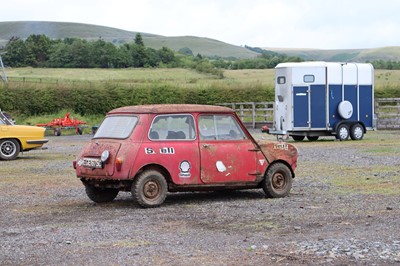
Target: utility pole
{"type": "Point", "coordinates": [4, 76]}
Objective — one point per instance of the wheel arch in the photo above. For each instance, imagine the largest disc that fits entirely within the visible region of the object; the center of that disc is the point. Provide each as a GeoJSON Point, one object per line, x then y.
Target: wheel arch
{"type": "Point", "coordinates": [283, 162]}
{"type": "Point", "coordinates": [155, 167]}
{"type": "Point", "coordinates": [17, 139]}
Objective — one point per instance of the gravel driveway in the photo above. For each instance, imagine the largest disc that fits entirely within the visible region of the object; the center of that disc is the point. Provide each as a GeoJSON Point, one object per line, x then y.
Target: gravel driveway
{"type": "Point", "coordinates": [343, 209]}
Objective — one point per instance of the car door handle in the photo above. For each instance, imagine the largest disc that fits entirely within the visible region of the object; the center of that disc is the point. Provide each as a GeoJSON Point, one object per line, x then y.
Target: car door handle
{"type": "Point", "coordinates": [206, 146]}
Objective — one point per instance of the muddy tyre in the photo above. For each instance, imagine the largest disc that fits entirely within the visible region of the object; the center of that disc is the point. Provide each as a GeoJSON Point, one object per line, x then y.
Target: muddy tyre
{"type": "Point", "coordinates": [149, 189]}
{"type": "Point", "coordinates": [9, 149]}
{"type": "Point", "coordinates": [312, 138]}
{"type": "Point", "coordinates": [278, 181]}
{"type": "Point", "coordinates": [101, 195]}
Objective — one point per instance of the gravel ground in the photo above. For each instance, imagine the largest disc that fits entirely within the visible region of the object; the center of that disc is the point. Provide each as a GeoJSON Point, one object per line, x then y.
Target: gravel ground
{"type": "Point", "coordinates": [343, 209]}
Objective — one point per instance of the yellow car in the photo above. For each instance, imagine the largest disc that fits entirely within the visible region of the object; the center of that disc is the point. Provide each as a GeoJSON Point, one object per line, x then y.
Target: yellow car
{"type": "Point", "coordinates": [17, 138]}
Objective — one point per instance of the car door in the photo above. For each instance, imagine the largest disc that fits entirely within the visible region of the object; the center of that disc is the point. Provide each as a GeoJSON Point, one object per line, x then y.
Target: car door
{"type": "Point", "coordinates": [172, 144]}
{"type": "Point", "coordinates": [227, 155]}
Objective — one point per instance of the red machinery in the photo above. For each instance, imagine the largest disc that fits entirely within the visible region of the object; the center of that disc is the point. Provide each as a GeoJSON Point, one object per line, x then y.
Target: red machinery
{"type": "Point", "coordinates": [64, 123]}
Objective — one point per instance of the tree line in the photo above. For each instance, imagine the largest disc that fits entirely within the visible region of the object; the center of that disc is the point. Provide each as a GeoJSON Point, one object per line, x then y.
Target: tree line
{"type": "Point", "coordinates": [41, 51]}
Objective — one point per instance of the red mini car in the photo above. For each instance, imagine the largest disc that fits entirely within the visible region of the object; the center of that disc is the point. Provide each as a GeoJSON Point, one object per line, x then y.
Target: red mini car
{"type": "Point", "coordinates": [154, 149]}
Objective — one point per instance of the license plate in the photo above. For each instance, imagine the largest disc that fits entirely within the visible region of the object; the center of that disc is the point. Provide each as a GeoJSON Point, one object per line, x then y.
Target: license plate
{"type": "Point", "coordinates": [90, 163]}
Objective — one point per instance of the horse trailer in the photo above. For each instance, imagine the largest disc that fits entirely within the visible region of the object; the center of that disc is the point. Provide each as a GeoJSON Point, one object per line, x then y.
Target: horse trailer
{"type": "Point", "coordinates": [314, 99]}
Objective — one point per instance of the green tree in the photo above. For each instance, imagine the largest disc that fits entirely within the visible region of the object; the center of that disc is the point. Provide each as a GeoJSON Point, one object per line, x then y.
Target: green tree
{"type": "Point", "coordinates": [166, 55]}
{"type": "Point", "coordinates": [38, 47]}
{"type": "Point", "coordinates": [186, 51]}
{"type": "Point", "coordinates": [16, 53]}
{"type": "Point", "coordinates": [139, 39]}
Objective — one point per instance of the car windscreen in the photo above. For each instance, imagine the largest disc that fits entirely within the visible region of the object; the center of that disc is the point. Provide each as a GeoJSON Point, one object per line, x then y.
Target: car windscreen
{"type": "Point", "coordinates": [116, 127]}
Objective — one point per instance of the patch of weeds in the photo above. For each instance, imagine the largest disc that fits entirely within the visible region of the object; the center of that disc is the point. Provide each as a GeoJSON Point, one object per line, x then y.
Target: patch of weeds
{"type": "Point", "coordinates": [377, 180]}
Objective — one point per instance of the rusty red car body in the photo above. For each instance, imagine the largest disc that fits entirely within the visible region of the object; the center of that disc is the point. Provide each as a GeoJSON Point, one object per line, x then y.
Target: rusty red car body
{"type": "Point", "coordinates": [154, 149]}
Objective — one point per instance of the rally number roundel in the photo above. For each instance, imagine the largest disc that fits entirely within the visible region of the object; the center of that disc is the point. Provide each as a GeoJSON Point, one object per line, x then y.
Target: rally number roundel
{"type": "Point", "coordinates": [345, 109]}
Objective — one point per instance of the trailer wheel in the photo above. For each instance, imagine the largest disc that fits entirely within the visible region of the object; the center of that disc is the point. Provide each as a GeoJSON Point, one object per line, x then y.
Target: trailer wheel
{"type": "Point", "coordinates": [57, 132]}
{"type": "Point", "coordinates": [150, 189]}
{"type": "Point", "coordinates": [312, 138]}
{"type": "Point", "coordinates": [357, 132]}
{"type": "Point", "coordinates": [278, 181]}
{"type": "Point", "coordinates": [342, 132]}
{"type": "Point", "coordinates": [298, 138]}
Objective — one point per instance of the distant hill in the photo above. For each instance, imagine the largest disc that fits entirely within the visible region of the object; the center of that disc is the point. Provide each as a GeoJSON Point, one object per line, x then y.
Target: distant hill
{"type": "Point", "coordinates": [59, 30]}
{"type": "Point", "coordinates": [198, 45]}
{"type": "Point", "coordinates": [344, 55]}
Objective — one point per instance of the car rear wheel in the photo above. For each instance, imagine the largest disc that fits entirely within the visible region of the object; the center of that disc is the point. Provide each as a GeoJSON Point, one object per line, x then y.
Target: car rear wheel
{"type": "Point", "coordinates": [278, 181]}
{"type": "Point", "coordinates": [149, 189]}
{"type": "Point", "coordinates": [101, 195]}
{"type": "Point", "coordinates": [9, 149]}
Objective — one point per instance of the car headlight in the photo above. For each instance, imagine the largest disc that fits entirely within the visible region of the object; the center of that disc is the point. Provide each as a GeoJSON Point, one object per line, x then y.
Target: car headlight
{"type": "Point", "coordinates": [104, 156]}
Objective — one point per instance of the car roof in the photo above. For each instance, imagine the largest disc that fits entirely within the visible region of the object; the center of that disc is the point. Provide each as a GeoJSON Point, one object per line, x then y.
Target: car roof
{"type": "Point", "coordinates": [171, 108]}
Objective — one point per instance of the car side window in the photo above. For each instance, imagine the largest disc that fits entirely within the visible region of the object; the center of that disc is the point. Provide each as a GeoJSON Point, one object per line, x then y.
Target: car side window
{"type": "Point", "coordinates": [220, 127]}
{"type": "Point", "coordinates": [172, 127]}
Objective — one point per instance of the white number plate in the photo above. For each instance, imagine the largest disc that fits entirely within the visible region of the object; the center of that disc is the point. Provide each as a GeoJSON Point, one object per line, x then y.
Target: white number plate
{"type": "Point", "coordinates": [90, 163]}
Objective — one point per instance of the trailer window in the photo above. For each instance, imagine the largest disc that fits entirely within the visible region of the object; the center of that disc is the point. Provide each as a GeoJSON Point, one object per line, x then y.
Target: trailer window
{"type": "Point", "coordinates": [309, 78]}
{"type": "Point", "coordinates": [281, 80]}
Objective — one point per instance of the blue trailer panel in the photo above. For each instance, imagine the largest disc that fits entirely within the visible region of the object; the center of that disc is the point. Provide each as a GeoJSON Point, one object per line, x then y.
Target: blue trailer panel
{"type": "Point", "coordinates": [320, 99]}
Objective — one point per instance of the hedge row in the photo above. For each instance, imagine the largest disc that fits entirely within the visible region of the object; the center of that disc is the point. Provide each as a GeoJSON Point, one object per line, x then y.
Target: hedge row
{"type": "Point", "coordinates": [99, 98]}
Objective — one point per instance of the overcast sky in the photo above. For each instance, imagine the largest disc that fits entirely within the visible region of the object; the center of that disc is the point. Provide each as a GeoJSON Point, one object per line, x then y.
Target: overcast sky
{"type": "Point", "coordinates": [323, 24]}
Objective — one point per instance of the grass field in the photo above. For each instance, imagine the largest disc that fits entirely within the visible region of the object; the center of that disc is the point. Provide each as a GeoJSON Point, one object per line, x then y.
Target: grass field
{"type": "Point", "coordinates": [383, 78]}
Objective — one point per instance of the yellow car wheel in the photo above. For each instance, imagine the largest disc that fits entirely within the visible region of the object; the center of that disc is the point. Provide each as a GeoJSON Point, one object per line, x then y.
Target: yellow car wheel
{"type": "Point", "coordinates": [9, 149]}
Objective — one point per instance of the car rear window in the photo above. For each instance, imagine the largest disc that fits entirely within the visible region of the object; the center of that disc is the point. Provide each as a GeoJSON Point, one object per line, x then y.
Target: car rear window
{"type": "Point", "coordinates": [116, 127]}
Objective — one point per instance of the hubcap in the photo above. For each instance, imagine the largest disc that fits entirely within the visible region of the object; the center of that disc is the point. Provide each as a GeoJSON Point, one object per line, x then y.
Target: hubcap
{"type": "Point", "coordinates": [8, 148]}
{"type": "Point", "coordinates": [151, 189]}
{"type": "Point", "coordinates": [343, 133]}
{"type": "Point", "coordinates": [358, 132]}
{"type": "Point", "coordinates": [278, 181]}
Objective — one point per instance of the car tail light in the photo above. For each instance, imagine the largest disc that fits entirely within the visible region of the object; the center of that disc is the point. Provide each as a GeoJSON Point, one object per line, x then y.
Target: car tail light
{"type": "Point", "coordinates": [118, 164]}
{"type": "Point", "coordinates": [74, 163]}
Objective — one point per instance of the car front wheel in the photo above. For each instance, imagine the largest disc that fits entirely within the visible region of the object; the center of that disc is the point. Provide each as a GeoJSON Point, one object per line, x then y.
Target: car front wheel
{"type": "Point", "coordinates": [149, 189]}
{"type": "Point", "coordinates": [278, 181]}
{"type": "Point", "coordinates": [9, 149]}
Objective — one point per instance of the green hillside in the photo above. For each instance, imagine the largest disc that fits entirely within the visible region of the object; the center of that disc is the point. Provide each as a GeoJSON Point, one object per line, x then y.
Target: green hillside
{"type": "Point", "coordinates": [344, 55]}
{"type": "Point", "coordinates": [203, 46]}
{"type": "Point", "coordinates": [59, 30]}
{"type": "Point", "coordinates": [198, 45]}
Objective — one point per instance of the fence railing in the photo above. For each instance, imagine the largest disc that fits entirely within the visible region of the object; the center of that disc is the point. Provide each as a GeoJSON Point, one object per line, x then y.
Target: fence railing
{"type": "Point", "coordinates": [254, 114]}
{"type": "Point", "coordinates": [387, 113]}
{"type": "Point", "coordinates": [257, 114]}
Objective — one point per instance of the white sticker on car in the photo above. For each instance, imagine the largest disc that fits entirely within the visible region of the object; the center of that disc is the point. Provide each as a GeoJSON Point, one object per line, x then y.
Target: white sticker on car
{"type": "Point", "coordinates": [220, 166]}
{"type": "Point", "coordinates": [184, 168]}
{"type": "Point", "coordinates": [149, 151]}
{"type": "Point", "coordinates": [167, 150]}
